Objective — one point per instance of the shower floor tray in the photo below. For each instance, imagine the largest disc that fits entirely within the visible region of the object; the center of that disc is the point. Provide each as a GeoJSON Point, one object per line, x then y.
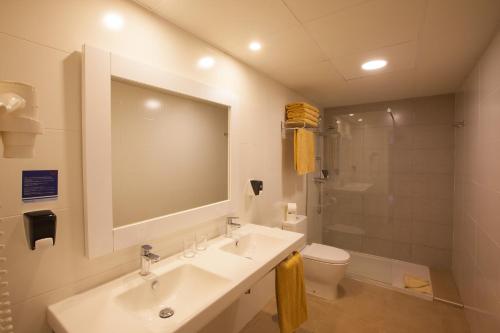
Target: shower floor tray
{"type": "Point", "coordinates": [386, 272]}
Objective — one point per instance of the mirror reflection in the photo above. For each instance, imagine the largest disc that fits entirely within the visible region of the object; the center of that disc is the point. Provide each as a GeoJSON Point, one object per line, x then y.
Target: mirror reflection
{"type": "Point", "coordinates": [169, 153]}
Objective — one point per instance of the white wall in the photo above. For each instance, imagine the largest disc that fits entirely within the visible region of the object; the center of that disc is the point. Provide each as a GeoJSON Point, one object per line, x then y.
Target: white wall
{"type": "Point", "coordinates": [40, 45]}
{"type": "Point", "coordinates": [476, 220]}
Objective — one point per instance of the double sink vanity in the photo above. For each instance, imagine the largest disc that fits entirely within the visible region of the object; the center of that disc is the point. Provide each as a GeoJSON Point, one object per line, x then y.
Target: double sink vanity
{"type": "Point", "coordinates": [147, 176]}
{"type": "Point", "coordinates": [179, 294]}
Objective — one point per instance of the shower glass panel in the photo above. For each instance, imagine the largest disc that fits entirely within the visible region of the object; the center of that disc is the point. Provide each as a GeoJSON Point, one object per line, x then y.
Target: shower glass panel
{"type": "Point", "coordinates": [359, 212]}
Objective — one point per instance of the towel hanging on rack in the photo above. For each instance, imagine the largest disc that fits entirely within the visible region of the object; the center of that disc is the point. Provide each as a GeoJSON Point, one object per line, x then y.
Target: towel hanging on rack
{"type": "Point", "coordinates": [304, 157]}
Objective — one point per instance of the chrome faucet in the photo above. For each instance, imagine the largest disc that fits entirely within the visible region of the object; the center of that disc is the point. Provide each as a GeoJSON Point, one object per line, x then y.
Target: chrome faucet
{"type": "Point", "coordinates": [147, 258]}
{"type": "Point", "coordinates": [230, 224]}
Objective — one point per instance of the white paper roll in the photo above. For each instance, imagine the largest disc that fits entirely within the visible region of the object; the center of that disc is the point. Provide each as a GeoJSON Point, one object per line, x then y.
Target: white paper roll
{"type": "Point", "coordinates": [291, 211]}
{"type": "Point", "coordinates": [44, 243]}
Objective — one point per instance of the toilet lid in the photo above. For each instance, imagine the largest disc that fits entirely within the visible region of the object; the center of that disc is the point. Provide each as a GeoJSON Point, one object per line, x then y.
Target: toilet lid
{"type": "Point", "coordinates": [326, 253]}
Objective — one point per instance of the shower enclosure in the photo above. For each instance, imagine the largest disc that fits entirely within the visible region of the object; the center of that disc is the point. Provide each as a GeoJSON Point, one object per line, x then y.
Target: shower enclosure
{"type": "Point", "coordinates": [360, 212]}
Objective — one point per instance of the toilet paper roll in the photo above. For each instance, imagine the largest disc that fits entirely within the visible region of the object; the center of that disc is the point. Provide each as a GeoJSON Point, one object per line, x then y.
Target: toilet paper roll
{"type": "Point", "coordinates": [44, 243]}
{"type": "Point", "coordinates": [291, 211]}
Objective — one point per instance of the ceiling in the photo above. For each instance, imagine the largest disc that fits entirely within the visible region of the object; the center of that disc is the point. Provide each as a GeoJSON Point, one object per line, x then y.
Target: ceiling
{"type": "Point", "coordinates": [316, 47]}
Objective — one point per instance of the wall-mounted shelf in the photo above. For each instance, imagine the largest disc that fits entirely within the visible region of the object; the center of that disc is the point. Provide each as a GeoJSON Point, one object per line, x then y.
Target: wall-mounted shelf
{"type": "Point", "coordinates": [296, 125]}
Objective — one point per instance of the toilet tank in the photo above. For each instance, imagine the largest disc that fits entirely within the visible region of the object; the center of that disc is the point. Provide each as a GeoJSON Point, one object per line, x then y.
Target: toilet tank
{"type": "Point", "coordinates": [299, 225]}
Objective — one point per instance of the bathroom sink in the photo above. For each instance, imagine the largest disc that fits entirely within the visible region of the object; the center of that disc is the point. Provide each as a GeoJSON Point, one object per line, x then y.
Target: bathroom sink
{"type": "Point", "coordinates": [182, 289]}
{"type": "Point", "coordinates": [197, 289]}
{"type": "Point", "coordinates": [253, 245]}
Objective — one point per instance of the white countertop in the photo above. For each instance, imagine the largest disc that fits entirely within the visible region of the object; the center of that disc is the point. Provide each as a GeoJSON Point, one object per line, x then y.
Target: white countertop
{"type": "Point", "coordinates": [99, 310]}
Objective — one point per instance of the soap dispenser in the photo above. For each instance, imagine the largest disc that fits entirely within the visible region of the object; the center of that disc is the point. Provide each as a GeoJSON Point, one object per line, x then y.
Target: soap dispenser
{"type": "Point", "coordinates": [40, 228]}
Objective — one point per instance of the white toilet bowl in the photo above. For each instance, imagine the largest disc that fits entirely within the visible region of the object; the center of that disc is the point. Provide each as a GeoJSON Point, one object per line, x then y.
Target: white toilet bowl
{"type": "Point", "coordinates": [324, 267]}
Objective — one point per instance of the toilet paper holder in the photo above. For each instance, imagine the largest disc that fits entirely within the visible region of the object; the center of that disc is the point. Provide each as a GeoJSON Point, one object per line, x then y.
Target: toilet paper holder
{"type": "Point", "coordinates": [40, 225]}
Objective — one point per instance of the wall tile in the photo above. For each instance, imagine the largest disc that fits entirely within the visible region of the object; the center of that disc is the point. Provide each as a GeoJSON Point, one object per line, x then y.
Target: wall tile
{"type": "Point", "coordinates": [433, 161]}
{"type": "Point", "coordinates": [476, 243]}
{"type": "Point", "coordinates": [436, 110]}
{"type": "Point", "coordinates": [489, 68]}
{"type": "Point", "coordinates": [430, 256]}
{"type": "Point", "coordinates": [490, 117]}
{"type": "Point", "coordinates": [438, 211]}
{"type": "Point", "coordinates": [433, 137]}
{"type": "Point", "coordinates": [410, 164]}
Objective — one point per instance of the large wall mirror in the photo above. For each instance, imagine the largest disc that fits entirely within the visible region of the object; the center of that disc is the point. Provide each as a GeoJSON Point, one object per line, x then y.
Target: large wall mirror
{"type": "Point", "coordinates": [157, 152]}
{"type": "Point", "coordinates": [169, 153]}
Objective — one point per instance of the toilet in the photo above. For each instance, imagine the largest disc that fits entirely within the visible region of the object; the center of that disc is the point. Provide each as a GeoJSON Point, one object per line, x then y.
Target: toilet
{"type": "Point", "coordinates": [324, 266]}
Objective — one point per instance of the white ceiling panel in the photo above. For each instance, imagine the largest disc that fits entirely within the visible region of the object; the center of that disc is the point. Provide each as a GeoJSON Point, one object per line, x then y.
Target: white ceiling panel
{"type": "Point", "coordinates": [454, 34]}
{"type": "Point", "coordinates": [308, 10]}
{"type": "Point", "coordinates": [220, 20]}
{"type": "Point", "coordinates": [369, 26]}
{"type": "Point", "coordinates": [308, 76]}
{"type": "Point", "coordinates": [316, 47]}
{"type": "Point", "coordinates": [398, 57]}
{"type": "Point", "coordinates": [291, 47]}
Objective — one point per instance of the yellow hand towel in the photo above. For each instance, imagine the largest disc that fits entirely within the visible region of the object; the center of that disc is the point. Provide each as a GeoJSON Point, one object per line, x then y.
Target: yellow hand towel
{"type": "Point", "coordinates": [301, 112]}
{"type": "Point", "coordinates": [292, 116]}
{"type": "Point", "coordinates": [301, 105]}
{"type": "Point", "coordinates": [417, 284]}
{"type": "Point", "coordinates": [303, 151]}
{"type": "Point", "coordinates": [291, 293]}
{"type": "Point", "coordinates": [299, 122]}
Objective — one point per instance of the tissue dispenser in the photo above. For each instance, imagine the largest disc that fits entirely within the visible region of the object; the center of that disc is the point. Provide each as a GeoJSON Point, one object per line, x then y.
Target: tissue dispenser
{"type": "Point", "coordinates": [40, 225]}
{"type": "Point", "coordinates": [257, 186]}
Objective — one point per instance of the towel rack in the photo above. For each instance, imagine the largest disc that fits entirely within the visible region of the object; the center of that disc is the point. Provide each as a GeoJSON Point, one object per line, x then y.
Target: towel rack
{"type": "Point", "coordinates": [299, 125]}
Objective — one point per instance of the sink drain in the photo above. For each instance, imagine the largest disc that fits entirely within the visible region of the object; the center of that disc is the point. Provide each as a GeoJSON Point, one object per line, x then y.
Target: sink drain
{"type": "Point", "coordinates": [166, 313]}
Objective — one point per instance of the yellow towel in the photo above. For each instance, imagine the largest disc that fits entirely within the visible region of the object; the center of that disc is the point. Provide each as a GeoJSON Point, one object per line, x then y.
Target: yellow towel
{"type": "Point", "coordinates": [418, 284]}
{"type": "Point", "coordinates": [299, 122]}
{"type": "Point", "coordinates": [314, 112]}
{"type": "Point", "coordinates": [291, 293]}
{"type": "Point", "coordinates": [301, 112]}
{"type": "Point", "coordinates": [301, 116]}
{"type": "Point", "coordinates": [301, 105]}
{"type": "Point", "coordinates": [303, 151]}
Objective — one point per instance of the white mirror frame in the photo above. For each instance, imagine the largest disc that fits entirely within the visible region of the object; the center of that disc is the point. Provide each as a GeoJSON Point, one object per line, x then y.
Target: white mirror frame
{"type": "Point", "coordinates": [99, 67]}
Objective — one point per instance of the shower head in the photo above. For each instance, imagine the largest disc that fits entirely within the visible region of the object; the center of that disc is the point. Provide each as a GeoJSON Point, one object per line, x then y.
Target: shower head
{"type": "Point", "coordinates": [389, 111]}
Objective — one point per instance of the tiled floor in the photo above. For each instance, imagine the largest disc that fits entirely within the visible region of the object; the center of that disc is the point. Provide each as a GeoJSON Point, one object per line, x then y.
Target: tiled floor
{"type": "Point", "coordinates": [363, 308]}
{"type": "Point", "coordinates": [444, 286]}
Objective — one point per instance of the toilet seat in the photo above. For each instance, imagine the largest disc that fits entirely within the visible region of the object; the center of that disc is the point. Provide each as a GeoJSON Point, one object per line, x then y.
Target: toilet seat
{"type": "Point", "coordinates": [325, 253]}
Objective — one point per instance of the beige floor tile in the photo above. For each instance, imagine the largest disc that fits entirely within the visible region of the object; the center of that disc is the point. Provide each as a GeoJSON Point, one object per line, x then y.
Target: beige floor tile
{"type": "Point", "coordinates": [444, 286]}
{"type": "Point", "coordinates": [363, 308]}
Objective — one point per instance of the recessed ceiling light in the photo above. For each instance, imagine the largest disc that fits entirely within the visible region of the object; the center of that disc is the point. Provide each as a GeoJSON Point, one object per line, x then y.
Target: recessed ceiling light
{"type": "Point", "coordinates": [360, 119]}
{"type": "Point", "coordinates": [255, 46]}
{"type": "Point", "coordinates": [152, 104]}
{"type": "Point", "coordinates": [374, 64]}
{"type": "Point", "coordinates": [351, 114]}
{"type": "Point", "coordinates": [113, 21]}
{"type": "Point", "coordinates": [206, 62]}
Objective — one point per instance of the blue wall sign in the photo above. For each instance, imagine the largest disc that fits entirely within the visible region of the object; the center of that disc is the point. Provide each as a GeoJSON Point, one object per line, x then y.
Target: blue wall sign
{"type": "Point", "coordinates": [39, 184]}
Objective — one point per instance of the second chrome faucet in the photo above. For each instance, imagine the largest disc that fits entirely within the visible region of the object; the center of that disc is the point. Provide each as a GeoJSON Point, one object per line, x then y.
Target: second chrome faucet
{"type": "Point", "coordinates": [230, 224]}
{"type": "Point", "coordinates": [147, 257]}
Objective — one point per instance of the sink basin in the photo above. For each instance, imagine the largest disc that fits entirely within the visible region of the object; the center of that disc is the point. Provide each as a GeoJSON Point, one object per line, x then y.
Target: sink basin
{"type": "Point", "coordinates": [253, 246]}
{"type": "Point", "coordinates": [182, 289]}
{"type": "Point", "coordinates": [196, 289]}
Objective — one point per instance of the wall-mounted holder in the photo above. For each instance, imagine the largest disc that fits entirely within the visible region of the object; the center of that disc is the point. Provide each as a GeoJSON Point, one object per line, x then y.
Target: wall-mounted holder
{"type": "Point", "coordinates": [257, 186]}
{"type": "Point", "coordinates": [40, 229]}
{"type": "Point", "coordinates": [18, 119]}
